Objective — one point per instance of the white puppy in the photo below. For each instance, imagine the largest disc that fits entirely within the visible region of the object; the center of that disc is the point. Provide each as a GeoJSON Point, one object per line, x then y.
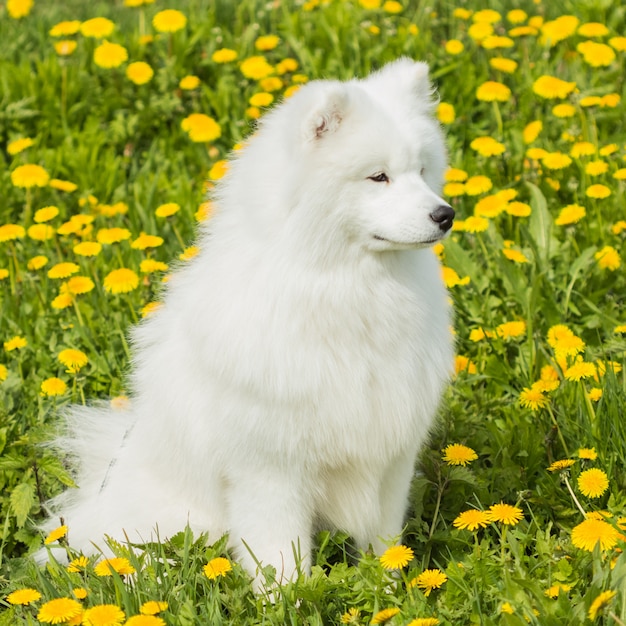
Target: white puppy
{"type": "Point", "coordinates": [295, 367]}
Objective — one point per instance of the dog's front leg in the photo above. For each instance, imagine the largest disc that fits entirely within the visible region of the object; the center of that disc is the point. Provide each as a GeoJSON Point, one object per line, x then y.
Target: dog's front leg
{"type": "Point", "coordinates": [270, 520]}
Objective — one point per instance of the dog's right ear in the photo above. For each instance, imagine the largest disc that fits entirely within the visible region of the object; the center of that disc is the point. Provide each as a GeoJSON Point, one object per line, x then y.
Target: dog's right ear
{"type": "Point", "coordinates": [327, 116]}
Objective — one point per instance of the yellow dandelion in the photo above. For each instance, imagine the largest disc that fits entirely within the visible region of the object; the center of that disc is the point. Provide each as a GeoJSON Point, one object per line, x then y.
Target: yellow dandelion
{"type": "Point", "coordinates": [19, 145]}
{"type": "Point", "coordinates": [533, 398]}
{"type": "Point", "coordinates": [148, 266]}
{"type": "Point", "coordinates": [505, 514]}
{"type": "Point", "coordinates": [139, 72]}
{"type": "Point", "coordinates": [492, 42]}
{"type": "Point", "coordinates": [491, 91]}
{"type": "Point", "coordinates": [556, 160]}
{"type": "Point", "coordinates": [593, 482]}
{"type": "Point", "coordinates": [396, 557]}
{"type": "Point", "coordinates": [103, 615]}
{"type": "Point", "coordinates": [452, 190]}
{"type": "Point", "coordinates": [65, 28]}
{"type": "Point", "coordinates": [18, 9]}
{"type": "Point", "coordinates": [78, 564]}
{"type": "Point", "coordinates": [3, 373]}
{"type": "Point", "coordinates": [596, 168]}
{"type": "Point", "coordinates": [15, 343]}
{"type": "Point", "coordinates": [62, 301]}
{"type": "Point", "coordinates": [515, 255]}
{"type": "Point", "coordinates": [77, 285]}
{"type": "Point", "coordinates": [224, 55]}
{"type": "Point", "coordinates": [550, 87]}
{"type": "Point", "coordinates": [120, 565]}
{"type": "Point", "coordinates": [73, 359]}
{"type": "Point", "coordinates": [428, 580]}
{"type": "Point", "coordinates": [594, 532]}
{"type": "Point", "coordinates": [454, 46]}
{"type": "Point", "coordinates": [583, 148]}
{"type": "Point", "coordinates": [150, 308]}
{"type": "Point", "coordinates": [508, 330]}
{"type": "Point", "coordinates": [608, 258]}
{"type": "Point", "coordinates": [112, 235]}
{"type": "Point", "coordinates": [145, 620]}
{"type": "Point", "coordinates": [452, 279]}
{"type": "Point", "coordinates": [189, 253]}
{"type": "Point", "coordinates": [587, 453]}
{"type": "Point", "coordinates": [455, 175]}
{"type": "Point", "coordinates": [598, 191]}
{"type": "Point", "coordinates": [53, 387]}
{"type": "Point", "coordinates": [472, 519]}
{"type": "Point", "coordinates": [65, 47]}
{"type": "Point", "coordinates": [59, 611]}
{"type": "Point", "coordinates": [458, 454]}
{"type": "Point", "coordinates": [152, 607]}
{"type": "Point", "coordinates": [446, 113]}
{"type": "Point", "coordinates": [266, 42]}
{"type": "Point", "coordinates": [121, 280]}
{"type": "Point", "coordinates": [385, 615]}
{"type": "Point", "coordinates": [475, 185]}
{"type": "Point", "coordinates": [23, 596]}
{"type": "Point", "coordinates": [56, 534]}
{"type": "Point", "coordinates": [169, 21]}
{"type": "Point", "coordinates": [145, 241]}
{"type": "Point", "coordinates": [580, 370]}
{"type": "Point", "coordinates": [217, 567]}
{"type": "Point", "coordinates": [516, 16]}
{"type": "Point", "coordinates": [596, 54]}
{"type": "Point", "coordinates": [166, 210]}
{"type": "Point", "coordinates": [424, 621]}
{"type": "Point", "coordinates": [98, 27]}
{"type": "Point", "coordinates": [487, 146]}
{"type": "Point", "coordinates": [507, 608]}
{"type": "Point", "coordinates": [256, 68]}
{"type": "Point", "coordinates": [87, 248]}
{"type": "Point", "coordinates": [464, 364]}
{"type": "Point", "coordinates": [571, 214]}
{"type": "Point", "coordinates": [261, 99]}
{"type": "Point", "coordinates": [563, 110]}
{"type": "Point", "coordinates": [351, 616]}
{"type": "Point", "coordinates": [555, 590]}
{"type": "Point", "coordinates": [201, 128]}
{"type": "Point", "coordinates": [9, 232]}
{"type": "Point", "coordinates": [619, 43]}
{"type": "Point", "coordinates": [218, 170]}
{"type": "Point", "coordinates": [41, 232]}
{"type": "Point", "coordinates": [561, 464]}
{"type": "Point", "coordinates": [600, 603]}
{"type": "Point", "coordinates": [531, 131]}
{"type": "Point", "coordinates": [29, 175]}
{"type": "Point", "coordinates": [189, 82]}
{"type": "Point", "coordinates": [109, 55]}
{"type": "Point", "coordinates": [63, 270]}
{"type": "Point", "coordinates": [559, 29]}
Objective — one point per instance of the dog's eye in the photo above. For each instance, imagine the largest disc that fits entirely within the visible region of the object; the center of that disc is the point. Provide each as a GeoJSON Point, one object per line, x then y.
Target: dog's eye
{"type": "Point", "coordinates": [423, 171]}
{"type": "Point", "coordinates": [379, 178]}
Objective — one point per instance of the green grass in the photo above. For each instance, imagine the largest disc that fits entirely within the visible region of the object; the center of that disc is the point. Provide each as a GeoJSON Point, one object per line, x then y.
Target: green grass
{"type": "Point", "coordinates": [121, 142]}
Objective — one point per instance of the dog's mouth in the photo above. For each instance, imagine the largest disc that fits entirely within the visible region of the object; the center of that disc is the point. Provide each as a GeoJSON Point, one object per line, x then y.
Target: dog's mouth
{"type": "Point", "coordinates": [407, 244]}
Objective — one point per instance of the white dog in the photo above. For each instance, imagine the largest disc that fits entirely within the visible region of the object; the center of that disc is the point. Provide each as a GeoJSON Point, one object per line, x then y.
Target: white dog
{"type": "Point", "coordinates": [294, 369]}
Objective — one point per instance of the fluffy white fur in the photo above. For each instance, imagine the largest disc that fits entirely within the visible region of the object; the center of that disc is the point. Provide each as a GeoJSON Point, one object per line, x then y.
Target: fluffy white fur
{"type": "Point", "coordinates": [296, 364]}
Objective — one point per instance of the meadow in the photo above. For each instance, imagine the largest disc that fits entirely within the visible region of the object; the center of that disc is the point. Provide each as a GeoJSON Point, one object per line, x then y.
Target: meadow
{"type": "Point", "coordinates": [117, 118]}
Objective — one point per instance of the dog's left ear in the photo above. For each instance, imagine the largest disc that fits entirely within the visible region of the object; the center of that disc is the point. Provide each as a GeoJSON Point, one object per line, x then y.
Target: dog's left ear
{"type": "Point", "coordinates": [326, 117]}
{"type": "Point", "coordinates": [406, 80]}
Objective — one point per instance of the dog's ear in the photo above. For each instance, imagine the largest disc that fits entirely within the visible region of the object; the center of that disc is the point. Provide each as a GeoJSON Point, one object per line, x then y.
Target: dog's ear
{"type": "Point", "coordinates": [407, 81]}
{"type": "Point", "coordinates": [325, 118]}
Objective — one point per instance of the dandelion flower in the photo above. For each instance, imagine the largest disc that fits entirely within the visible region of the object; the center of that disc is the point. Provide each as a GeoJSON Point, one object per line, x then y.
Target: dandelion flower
{"type": "Point", "coordinates": [424, 621]}
{"type": "Point", "coordinates": [189, 253]}
{"type": "Point", "coordinates": [65, 28]}
{"type": "Point", "coordinates": [454, 174]}
{"type": "Point", "coordinates": [516, 16]}
{"type": "Point", "coordinates": [224, 55]}
{"type": "Point", "coordinates": [593, 482]}
{"type": "Point", "coordinates": [217, 567]}
{"type": "Point", "coordinates": [505, 513]}
{"type": "Point", "coordinates": [19, 145]}
{"type": "Point", "coordinates": [491, 91]}
{"type": "Point", "coordinates": [557, 30]}
{"type": "Point", "coordinates": [120, 565]}
{"type": "Point", "coordinates": [550, 87]}
{"type": "Point", "coordinates": [63, 270]}
{"type": "Point", "coordinates": [78, 564]}
{"type": "Point", "coordinates": [16, 343]}
{"type": "Point", "coordinates": [166, 210]}
{"type": "Point", "coordinates": [509, 330]}
{"type": "Point", "coordinates": [189, 82]}
{"type": "Point", "coordinates": [149, 266]}
{"type": "Point", "coordinates": [8, 232]}
{"type": "Point", "coordinates": [53, 387]}
{"type": "Point", "coordinates": [533, 398]}
{"type": "Point", "coordinates": [452, 279]}
{"type": "Point", "coordinates": [65, 47]}
{"type": "Point", "coordinates": [563, 110]}
{"type": "Point", "coordinates": [139, 72]}
{"type": "Point", "coordinates": [112, 235]}
{"type": "Point", "coordinates": [580, 370]}
{"type": "Point", "coordinates": [594, 532]}
{"type": "Point", "coordinates": [471, 520]}
{"type": "Point", "coordinates": [454, 46]}
{"type": "Point", "coordinates": [487, 146]}
{"type": "Point", "coordinates": [561, 464]}
{"type": "Point", "coordinates": [144, 620]}
{"type": "Point", "coordinates": [56, 534]}
{"type": "Point", "coordinates": [531, 131]}
{"type": "Point", "coordinates": [571, 214]}
{"type": "Point", "coordinates": [103, 615]}
{"type": "Point", "coordinates": [555, 590]}
{"type": "Point", "coordinates": [266, 42]}
{"type": "Point", "coordinates": [608, 258]}
{"type": "Point", "coordinates": [59, 611]}
{"type": "Point", "coordinates": [145, 241]}
{"type": "Point", "coordinates": [598, 191]}
{"type": "Point", "coordinates": [87, 248]}
{"type": "Point", "coordinates": [556, 160]}
{"type": "Point", "coordinates": [23, 596]}
{"type": "Point", "coordinates": [596, 54]}
{"type": "Point", "coordinates": [385, 615]}
{"type": "Point", "coordinates": [261, 99]}
{"type": "Point", "coordinates": [169, 21]}
{"type": "Point", "coordinates": [428, 580]}
{"type": "Point", "coordinates": [78, 285]}
{"type": "Point", "coordinates": [396, 557]}
{"type": "Point", "coordinates": [122, 280]}
{"type": "Point", "coordinates": [63, 185]}
{"type": "Point", "coordinates": [256, 68]}
{"type": "Point", "coordinates": [458, 454]}
{"type": "Point", "coordinates": [98, 27]}
{"type": "Point", "coordinates": [29, 175]}
{"type": "Point", "coordinates": [109, 55]}
{"type": "Point", "coordinates": [152, 607]}
{"type": "Point", "coordinates": [599, 603]}
{"type": "Point", "coordinates": [3, 373]}
{"type": "Point", "coordinates": [201, 127]}
{"type": "Point", "coordinates": [515, 255]}
{"type": "Point", "coordinates": [62, 301]}
{"type": "Point", "coordinates": [475, 185]}
{"type": "Point", "coordinates": [218, 169]}
{"type": "Point", "coordinates": [73, 359]}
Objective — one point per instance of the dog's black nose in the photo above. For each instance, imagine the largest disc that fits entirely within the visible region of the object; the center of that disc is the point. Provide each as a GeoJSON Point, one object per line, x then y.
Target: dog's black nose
{"type": "Point", "coordinates": [443, 215]}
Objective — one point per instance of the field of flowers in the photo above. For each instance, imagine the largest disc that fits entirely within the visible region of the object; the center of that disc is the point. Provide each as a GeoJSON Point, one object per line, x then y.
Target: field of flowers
{"type": "Point", "coordinates": [117, 117]}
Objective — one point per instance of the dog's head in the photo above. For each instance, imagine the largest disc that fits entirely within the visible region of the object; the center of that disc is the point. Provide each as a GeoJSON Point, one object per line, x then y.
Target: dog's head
{"type": "Point", "coordinates": [378, 156]}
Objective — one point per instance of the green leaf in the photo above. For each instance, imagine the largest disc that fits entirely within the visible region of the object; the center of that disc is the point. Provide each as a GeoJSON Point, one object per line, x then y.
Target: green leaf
{"type": "Point", "coordinates": [22, 501]}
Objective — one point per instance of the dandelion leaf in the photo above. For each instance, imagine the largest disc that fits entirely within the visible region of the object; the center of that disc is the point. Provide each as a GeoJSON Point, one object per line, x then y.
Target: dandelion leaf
{"type": "Point", "coordinates": [22, 500]}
